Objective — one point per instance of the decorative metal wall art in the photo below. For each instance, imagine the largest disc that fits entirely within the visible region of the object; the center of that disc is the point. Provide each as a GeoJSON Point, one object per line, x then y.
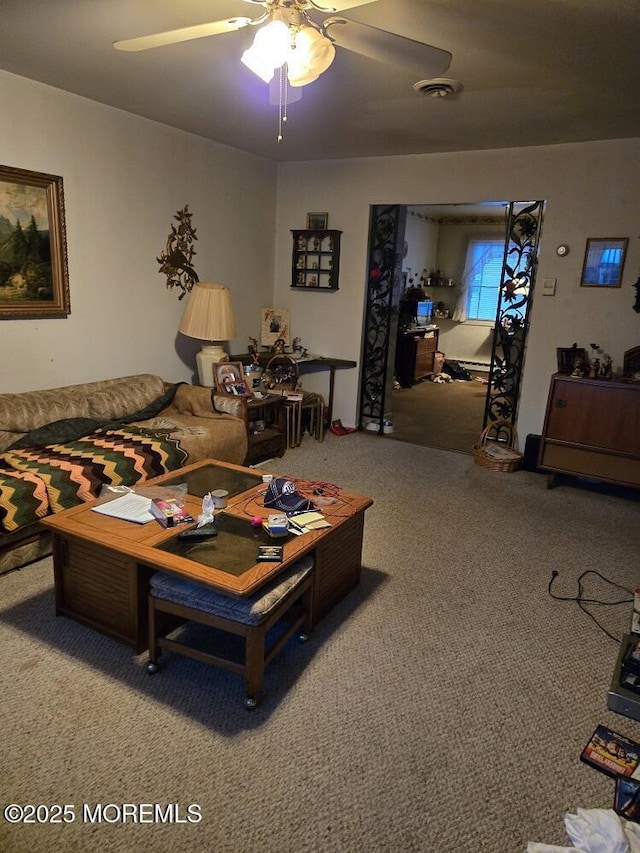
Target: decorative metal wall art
{"type": "Point", "coordinates": [512, 317]}
{"type": "Point", "coordinates": [176, 260]}
{"type": "Point", "coordinates": [381, 311]}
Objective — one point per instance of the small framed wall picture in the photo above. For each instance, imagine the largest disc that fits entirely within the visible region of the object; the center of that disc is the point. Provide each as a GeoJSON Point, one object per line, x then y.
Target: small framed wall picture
{"type": "Point", "coordinates": [274, 326]}
{"type": "Point", "coordinates": [317, 221]}
{"type": "Point", "coordinates": [229, 378]}
{"type": "Point", "coordinates": [604, 261]}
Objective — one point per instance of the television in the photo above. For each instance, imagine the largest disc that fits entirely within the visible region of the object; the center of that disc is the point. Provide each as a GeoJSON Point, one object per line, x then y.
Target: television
{"type": "Point", "coordinates": [424, 312]}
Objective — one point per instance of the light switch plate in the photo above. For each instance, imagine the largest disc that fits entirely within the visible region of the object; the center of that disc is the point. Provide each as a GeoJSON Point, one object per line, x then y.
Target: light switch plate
{"type": "Point", "coordinates": [549, 287]}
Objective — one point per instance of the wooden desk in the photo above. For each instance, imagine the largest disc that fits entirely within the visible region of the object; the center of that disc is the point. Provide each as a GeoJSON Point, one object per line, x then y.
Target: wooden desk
{"type": "Point", "coordinates": [102, 565]}
{"type": "Point", "coordinates": [309, 365]}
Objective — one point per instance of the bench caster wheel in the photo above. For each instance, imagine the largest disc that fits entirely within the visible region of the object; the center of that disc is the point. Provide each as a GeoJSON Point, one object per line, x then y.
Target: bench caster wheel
{"type": "Point", "coordinates": [152, 668]}
{"type": "Point", "coordinates": [250, 703]}
{"type": "Point", "coordinates": [303, 637]}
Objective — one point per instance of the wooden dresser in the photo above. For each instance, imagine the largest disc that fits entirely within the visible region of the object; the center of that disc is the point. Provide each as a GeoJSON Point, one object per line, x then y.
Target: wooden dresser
{"type": "Point", "coordinates": [415, 353]}
{"type": "Point", "coordinates": [592, 429]}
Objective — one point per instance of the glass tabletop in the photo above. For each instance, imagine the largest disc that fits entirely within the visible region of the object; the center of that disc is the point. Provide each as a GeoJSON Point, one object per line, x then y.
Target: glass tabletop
{"type": "Point", "coordinates": [210, 477]}
{"type": "Point", "coordinates": [232, 551]}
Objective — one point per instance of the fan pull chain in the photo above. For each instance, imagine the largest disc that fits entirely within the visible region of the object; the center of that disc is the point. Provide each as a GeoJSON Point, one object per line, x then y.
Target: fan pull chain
{"type": "Point", "coordinates": [283, 92]}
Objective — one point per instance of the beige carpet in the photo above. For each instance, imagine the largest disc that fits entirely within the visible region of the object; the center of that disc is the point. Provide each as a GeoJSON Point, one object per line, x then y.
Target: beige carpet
{"type": "Point", "coordinates": [440, 708]}
{"type": "Point", "coordinates": [448, 416]}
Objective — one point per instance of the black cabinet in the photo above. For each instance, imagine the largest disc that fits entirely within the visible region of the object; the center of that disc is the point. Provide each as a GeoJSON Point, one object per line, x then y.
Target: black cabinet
{"type": "Point", "coordinates": [315, 263]}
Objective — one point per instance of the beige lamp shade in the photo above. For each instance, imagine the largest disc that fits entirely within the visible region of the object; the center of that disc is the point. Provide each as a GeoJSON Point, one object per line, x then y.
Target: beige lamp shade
{"type": "Point", "coordinates": [208, 316]}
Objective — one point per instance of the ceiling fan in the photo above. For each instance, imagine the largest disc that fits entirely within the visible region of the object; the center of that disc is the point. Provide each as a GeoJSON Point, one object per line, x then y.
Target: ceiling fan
{"type": "Point", "coordinates": [290, 39]}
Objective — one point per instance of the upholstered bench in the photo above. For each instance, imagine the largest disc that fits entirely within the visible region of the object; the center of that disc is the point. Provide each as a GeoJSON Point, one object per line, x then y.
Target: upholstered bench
{"type": "Point", "coordinates": [250, 617]}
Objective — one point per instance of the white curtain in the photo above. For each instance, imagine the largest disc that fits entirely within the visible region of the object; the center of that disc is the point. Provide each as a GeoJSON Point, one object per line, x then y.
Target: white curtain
{"type": "Point", "coordinates": [460, 312]}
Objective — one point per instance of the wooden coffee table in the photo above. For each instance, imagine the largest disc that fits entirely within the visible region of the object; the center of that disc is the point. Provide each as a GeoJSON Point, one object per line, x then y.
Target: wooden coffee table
{"type": "Point", "coordinates": [102, 565]}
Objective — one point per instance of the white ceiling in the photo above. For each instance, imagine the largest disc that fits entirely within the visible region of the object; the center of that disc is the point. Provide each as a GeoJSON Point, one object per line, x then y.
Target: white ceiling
{"type": "Point", "coordinates": [534, 73]}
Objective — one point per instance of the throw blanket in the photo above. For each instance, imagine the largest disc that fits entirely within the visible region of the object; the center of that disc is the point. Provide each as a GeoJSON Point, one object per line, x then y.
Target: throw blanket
{"type": "Point", "coordinates": [35, 481]}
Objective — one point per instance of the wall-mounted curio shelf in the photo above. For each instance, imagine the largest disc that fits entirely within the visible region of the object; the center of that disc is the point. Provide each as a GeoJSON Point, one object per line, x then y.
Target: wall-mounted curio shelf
{"type": "Point", "coordinates": [316, 259]}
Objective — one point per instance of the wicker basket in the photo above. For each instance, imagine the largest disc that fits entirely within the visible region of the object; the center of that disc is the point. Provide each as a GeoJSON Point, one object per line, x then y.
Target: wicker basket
{"type": "Point", "coordinates": [496, 448]}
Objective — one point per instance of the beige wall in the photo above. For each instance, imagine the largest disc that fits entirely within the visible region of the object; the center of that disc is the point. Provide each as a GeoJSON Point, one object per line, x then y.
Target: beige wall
{"type": "Point", "coordinates": [124, 179]}
{"type": "Point", "coordinates": [592, 189]}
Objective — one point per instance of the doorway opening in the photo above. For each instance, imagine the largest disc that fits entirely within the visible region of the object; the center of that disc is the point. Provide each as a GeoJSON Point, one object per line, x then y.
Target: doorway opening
{"type": "Point", "coordinates": [449, 291]}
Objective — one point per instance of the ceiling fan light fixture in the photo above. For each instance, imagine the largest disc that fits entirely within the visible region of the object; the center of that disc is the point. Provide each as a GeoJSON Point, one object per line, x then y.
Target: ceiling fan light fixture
{"type": "Point", "coordinates": [256, 63]}
{"type": "Point", "coordinates": [310, 56]}
{"type": "Point", "coordinates": [317, 50]}
{"type": "Point", "coordinates": [299, 76]}
{"type": "Point", "coordinates": [269, 50]}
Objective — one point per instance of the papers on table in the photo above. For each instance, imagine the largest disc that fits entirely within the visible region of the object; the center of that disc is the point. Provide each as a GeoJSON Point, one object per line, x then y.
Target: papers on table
{"type": "Point", "coordinates": [306, 521]}
{"type": "Point", "coordinates": [129, 507]}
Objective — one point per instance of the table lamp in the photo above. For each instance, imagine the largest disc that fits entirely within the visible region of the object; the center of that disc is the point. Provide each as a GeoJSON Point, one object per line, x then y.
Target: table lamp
{"type": "Point", "coordinates": [208, 315]}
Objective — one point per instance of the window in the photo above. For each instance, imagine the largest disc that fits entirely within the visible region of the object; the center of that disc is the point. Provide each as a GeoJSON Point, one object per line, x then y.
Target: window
{"type": "Point", "coordinates": [483, 271]}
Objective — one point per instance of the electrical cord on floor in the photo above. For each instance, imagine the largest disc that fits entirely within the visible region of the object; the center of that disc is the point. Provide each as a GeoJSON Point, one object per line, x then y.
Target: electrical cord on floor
{"type": "Point", "coordinates": [581, 600]}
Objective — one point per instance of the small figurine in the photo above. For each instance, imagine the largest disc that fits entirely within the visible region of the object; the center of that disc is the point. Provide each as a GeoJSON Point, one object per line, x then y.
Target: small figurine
{"type": "Point", "coordinates": [594, 368]}
{"type": "Point", "coordinates": [606, 368]}
{"type": "Point", "coordinates": [295, 346]}
{"type": "Point", "coordinates": [278, 346]}
{"type": "Point", "coordinates": [253, 349]}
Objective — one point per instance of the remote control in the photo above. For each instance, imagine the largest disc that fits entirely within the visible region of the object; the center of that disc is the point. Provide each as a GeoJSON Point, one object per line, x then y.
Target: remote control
{"type": "Point", "coordinates": [198, 534]}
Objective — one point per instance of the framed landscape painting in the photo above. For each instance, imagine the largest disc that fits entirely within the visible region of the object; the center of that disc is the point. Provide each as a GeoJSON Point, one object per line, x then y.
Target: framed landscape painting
{"type": "Point", "coordinates": [34, 278]}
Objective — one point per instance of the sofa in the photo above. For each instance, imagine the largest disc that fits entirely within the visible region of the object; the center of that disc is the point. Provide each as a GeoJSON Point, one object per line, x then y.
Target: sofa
{"type": "Point", "coordinates": [59, 446]}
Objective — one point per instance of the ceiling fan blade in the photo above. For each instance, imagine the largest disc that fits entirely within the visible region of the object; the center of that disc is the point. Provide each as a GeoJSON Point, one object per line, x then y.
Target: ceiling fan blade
{"type": "Point", "coordinates": [185, 34]}
{"type": "Point", "coordinates": [423, 59]}
{"type": "Point", "coordinates": [342, 5]}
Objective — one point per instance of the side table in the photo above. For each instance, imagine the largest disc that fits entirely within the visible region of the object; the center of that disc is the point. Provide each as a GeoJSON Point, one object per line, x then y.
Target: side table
{"type": "Point", "coordinates": [265, 429]}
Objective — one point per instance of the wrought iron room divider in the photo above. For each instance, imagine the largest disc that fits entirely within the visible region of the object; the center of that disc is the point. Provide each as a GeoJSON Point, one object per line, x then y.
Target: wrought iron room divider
{"type": "Point", "coordinates": [384, 276]}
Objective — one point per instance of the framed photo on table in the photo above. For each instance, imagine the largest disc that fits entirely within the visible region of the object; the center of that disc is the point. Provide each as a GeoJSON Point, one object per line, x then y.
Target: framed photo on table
{"type": "Point", "coordinates": [34, 278]}
{"type": "Point", "coordinates": [571, 358]}
{"type": "Point", "coordinates": [229, 378]}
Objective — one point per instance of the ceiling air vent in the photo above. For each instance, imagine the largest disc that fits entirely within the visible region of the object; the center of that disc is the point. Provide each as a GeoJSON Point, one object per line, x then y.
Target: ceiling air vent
{"type": "Point", "coordinates": [438, 87]}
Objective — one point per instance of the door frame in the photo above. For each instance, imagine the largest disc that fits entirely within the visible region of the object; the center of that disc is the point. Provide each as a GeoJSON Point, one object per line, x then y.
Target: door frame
{"type": "Point", "coordinates": [382, 297]}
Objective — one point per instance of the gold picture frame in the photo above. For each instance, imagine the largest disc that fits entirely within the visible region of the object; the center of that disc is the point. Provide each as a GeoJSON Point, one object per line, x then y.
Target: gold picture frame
{"type": "Point", "coordinates": [604, 259]}
{"type": "Point", "coordinates": [229, 378]}
{"type": "Point", "coordinates": [34, 276]}
{"type": "Point", "coordinates": [317, 221]}
{"type": "Point", "coordinates": [275, 325]}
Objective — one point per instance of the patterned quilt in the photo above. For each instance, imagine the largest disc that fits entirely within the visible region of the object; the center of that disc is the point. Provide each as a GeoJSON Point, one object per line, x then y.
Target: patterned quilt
{"type": "Point", "coordinates": [36, 481]}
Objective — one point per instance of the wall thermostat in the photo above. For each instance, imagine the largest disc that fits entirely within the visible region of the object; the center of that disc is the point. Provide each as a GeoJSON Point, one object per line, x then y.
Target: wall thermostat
{"type": "Point", "coordinates": [562, 250]}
